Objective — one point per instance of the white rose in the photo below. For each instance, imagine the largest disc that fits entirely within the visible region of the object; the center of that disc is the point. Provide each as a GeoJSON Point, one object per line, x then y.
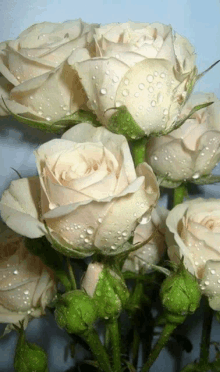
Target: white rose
{"type": "Point", "coordinates": [91, 195]}
{"type": "Point", "coordinates": [152, 252]}
{"type": "Point", "coordinates": [141, 66]}
{"type": "Point", "coordinates": [37, 81]}
{"type": "Point", "coordinates": [192, 150]}
{"type": "Point", "coordinates": [26, 284]}
{"type": "Point", "coordinates": [193, 232]}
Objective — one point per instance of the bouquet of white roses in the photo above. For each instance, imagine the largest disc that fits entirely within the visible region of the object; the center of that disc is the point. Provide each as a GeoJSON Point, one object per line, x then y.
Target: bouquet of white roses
{"type": "Point", "coordinates": [120, 96]}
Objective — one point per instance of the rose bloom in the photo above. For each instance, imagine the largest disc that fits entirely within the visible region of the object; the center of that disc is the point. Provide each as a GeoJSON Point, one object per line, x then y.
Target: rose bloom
{"type": "Point", "coordinates": [26, 284]}
{"type": "Point", "coordinates": [88, 193]}
{"type": "Point", "coordinates": [37, 81]}
{"type": "Point", "coordinates": [192, 150]}
{"type": "Point", "coordinates": [193, 233]}
{"type": "Point", "coordinates": [141, 66]}
{"type": "Point", "coordinates": [152, 252]}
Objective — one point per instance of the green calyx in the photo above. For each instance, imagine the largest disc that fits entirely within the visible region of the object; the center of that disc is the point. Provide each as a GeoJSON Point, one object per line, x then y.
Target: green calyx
{"type": "Point", "coordinates": [29, 357]}
{"type": "Point", "coordinates": [76, 312]}
{"type": "Point", "coordinates": [111, 294]}
{"type": "Point", "coordinates": [180, 295]}
{"type": "Point", "coordinates": [121, 122]}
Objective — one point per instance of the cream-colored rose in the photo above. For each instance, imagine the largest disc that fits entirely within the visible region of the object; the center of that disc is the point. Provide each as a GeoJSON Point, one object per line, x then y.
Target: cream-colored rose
{"type": "Point", "coordinates": [90, 194]}
{"type": "Point", "coordinates": [193, 150]}
{"type": "Point", "coordinates": [26, 284]}
{"type": "Point", "coordinates": [142, 66]}
{"type": "Point", "coordinates": [152, 252]}
{"type": "Point", "coordinates": [194, 233]}
{"type": "Point", "coordinates": [36, 81]}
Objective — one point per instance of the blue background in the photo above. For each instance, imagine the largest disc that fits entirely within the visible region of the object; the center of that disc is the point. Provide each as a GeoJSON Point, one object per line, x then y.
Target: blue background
{"type": "Point", "coordinates": [199, 21]}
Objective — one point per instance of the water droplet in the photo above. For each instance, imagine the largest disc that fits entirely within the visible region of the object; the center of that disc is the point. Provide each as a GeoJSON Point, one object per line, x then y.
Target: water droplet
{"type": "Point", "coordinates": [162, 75]}
{"type": "Point", "coordinates": [113, 247]}
{"type": "Point", "coordinates": [125, 93]}
{"type": "Point", "coordinates": [100, 220]}
{"type": "Point", "coordinates": [26, 292]}
{"type": "Point", "coordinates": [165, 112]}
{"type": "Point", "coordinates": [94, 77]}
{"type": "Point", "coordinates": [212, 272]}
{"type": "Point", "coordinates": [153, 103]}
{"type": "Point", "coordinates": [150, 78]}
{"type": "Point", "coordinates": [136, 94]}
{"type": "Point", "coordinates": [86, 240]}
{"type": "Point", "coordinates": [126, 81]}
{"type": "Point", "coordinates": [117, 56]}
{"type": "Point", "coordinates": [160, 98]}
{"type": "Point", "coordinates": [40, 113]}
{"type": "Point", "coordinates": [195, 176]}
{"type": "Point", "coordinates": [90, 230]}
{"type": "Point", "coordinates": [103, 91]}
{"type": "Point", "coordinates": [81, 236]}
{"type": "Point", "coordinates": [155, 73]}
{"type": "Point", "coordinates": [48, 118]}
{"type": "Point", "coordinates": [151, 89]}
{"type": "Point", "coordinates": [141, 86]}
{"type": "Point", "coordinates": [219, 281]}
{"type": "Point", "coordinates": [155, 157]}
{"type": "Point", "coordinates": [15, 272]}
{"type": "Point", "coordinates": [115, 79]}
{"type": "Point", "coordinates": [159, 85]}
{"type": "Point", "coordinates": [96, 67]}
{"type": "Point", "coordinates": [206, 282]}
{"type": "Point", "coordinates": [31, 97]}
{"type": "Point", "coordinates": [140, 107]}
{"type": "Point", "coordinates": [107, 72]}
{"type": "Point", "coordinates": [124, 233]}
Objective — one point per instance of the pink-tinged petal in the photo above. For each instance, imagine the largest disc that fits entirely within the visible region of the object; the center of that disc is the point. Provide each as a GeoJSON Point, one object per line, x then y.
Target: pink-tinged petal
{"type": "Point", "coordinates": [20, 207]}
{"type": "Point", "coordinates": [116, 144]}
{"type": "Point", "coordinates": [151, 185]}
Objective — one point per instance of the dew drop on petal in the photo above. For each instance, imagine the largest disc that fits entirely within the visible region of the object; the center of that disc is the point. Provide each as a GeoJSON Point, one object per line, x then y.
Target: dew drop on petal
{"type": "Point", "coordinates": [126, 81]}
{"type": "Point", "coordinates": [141, 86]}
{"type": "Point", "coordinates": [195, 176]}
{"type": "Point", "coordinates": [15, 272]}
{"type": "Point", "coordinates": [125, 93]}
{"type": "Point", "coordinates": [150, 78]}
{"type": "Point", "coordinates": [103, 91]}
{"type": "Point", "coordinates": [153, 103]}
{"type": "Point", "coordinates": [90, 230]}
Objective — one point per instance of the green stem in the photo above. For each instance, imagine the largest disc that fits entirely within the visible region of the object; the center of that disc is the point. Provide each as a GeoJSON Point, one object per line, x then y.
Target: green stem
{"type": "Point", "coordinates": [179, 193]}
{"type": "Point", "coordinates": [164, 337]}
{"type": "Point", "coordinates": [71, 274]}
{"type": "Point", "coordinates": [138, 150]}
{"type": "Point", "coordinates": [206, 332]}
{"type": "Point", "coordinates": [115, 342]}
{"type": "Point", "coordinates": [92, 339]}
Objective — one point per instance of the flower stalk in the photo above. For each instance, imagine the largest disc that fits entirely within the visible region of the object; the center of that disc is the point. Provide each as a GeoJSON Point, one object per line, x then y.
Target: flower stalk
{"type": "Point", "coordinates": [114, 335]}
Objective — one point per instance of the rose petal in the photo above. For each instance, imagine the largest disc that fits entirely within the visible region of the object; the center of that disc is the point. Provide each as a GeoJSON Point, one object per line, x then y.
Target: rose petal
{"type": "Point", "coordinates": [20, 207]}
{"type": "Point", "coordinates": [100, 78]}
{"type": "Point", "coordinates": [147, 95]}
{"type": "Point", "coordinates": [208, 152]}
{"type": "Point", "coordinates": [5, 88]}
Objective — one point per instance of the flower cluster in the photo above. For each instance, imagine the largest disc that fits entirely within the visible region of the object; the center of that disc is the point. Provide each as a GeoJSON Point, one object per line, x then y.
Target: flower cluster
{"type": "Point", "coordinates": [122, 95]}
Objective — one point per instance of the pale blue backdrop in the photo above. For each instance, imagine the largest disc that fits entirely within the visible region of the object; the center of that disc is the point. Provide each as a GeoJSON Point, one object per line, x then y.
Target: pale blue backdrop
{"type": "Point", "coordinates": [199, 21]}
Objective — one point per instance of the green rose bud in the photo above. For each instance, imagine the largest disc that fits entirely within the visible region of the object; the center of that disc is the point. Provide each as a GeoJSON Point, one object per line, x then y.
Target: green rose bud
{"type": "Point", "coordinates": [76, 312]}
{"type": "Point", "coordinates": [107, 289]}
{"type": "Point", "coordinates": [180, 295]}
{"type": "Point", "coordinates": [29, 357]}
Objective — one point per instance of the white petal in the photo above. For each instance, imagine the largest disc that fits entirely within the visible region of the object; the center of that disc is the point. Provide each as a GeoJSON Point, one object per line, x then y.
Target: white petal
{"type": "Point", "coordinates": [20, 207]}
{"type": "Point", "coordinates": [148, 97]}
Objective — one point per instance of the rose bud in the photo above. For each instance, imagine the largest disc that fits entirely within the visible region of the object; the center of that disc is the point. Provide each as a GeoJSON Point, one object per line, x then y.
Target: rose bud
{"type": "Point", "coordinates": [106, 288]}
{"type": "Point", "coordinates": [26, 284]}
{"type": "Point", "coordinates": [193, 150]}
{"type": "Point", "coordinates": [152, 252]}
{"type": "Point", "coordinates": [180, 295]}
{"type": "Point", "coordinates": [29, 357]}
{"type": "Point", "coordinates": [138, 77]}
{"type": "Point", "coordinates": [88, 197]}
{"type": "Point", "coordinates": [193, 233]}
{"type": "Point", "coordinates": [76, 312]}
